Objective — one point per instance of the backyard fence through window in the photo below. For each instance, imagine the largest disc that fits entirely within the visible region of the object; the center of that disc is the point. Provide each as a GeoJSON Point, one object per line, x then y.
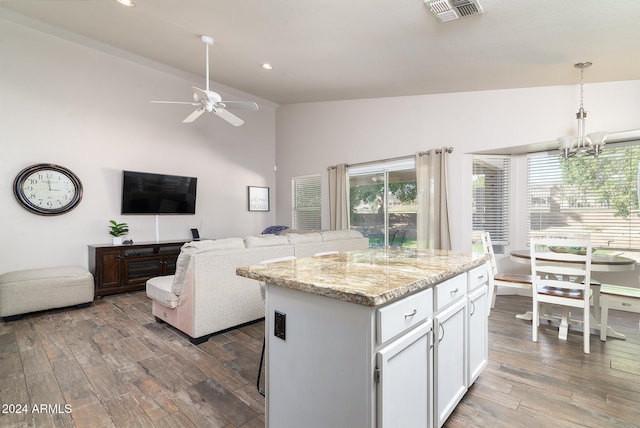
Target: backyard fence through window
{"type": "Point", "coordinates": [583, 193]}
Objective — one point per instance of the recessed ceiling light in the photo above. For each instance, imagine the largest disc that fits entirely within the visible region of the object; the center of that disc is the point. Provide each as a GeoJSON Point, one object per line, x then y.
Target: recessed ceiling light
{"type": "Point", "coordinates": [267, 66]}
{"type": "Point", "coordinates": [128, 3]}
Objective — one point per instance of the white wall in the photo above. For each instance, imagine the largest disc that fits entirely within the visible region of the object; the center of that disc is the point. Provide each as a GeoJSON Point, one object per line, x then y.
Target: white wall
{"type": "Point", "coordinates": [65, 103]}
{"type": "Point", "coordinates": [313, 136]}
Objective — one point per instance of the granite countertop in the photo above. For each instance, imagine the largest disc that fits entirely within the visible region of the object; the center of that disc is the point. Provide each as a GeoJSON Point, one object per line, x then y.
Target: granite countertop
{"type": "Point", "coordinates": [367, 277]}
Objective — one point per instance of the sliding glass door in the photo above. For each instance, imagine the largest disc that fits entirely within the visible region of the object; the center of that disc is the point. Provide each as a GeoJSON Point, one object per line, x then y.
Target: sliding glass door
{"type": "Point", "coordinates": [382, 202]}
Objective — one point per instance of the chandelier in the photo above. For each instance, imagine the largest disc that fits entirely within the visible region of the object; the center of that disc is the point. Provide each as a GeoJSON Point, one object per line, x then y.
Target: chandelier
{"type": "Point", "coordinates": [591, 144]}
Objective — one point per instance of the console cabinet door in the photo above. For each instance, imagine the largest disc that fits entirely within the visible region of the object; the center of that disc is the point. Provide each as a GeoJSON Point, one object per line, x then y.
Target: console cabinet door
{"type": "Point", "coordinates": [138, 270]}
{"type": "Point", "coordinates": [477, 333]}
{"type": "Point", "coordinates": [404, 384]}
{"type": "Point", "coordinates": [108, 268]}
{"type": "Point", "coordinates": [450, 383]}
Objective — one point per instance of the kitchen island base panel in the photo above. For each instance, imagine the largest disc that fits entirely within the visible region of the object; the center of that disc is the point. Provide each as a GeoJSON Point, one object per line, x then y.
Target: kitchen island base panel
{"type": "Point", "coordinates": [324, 363]}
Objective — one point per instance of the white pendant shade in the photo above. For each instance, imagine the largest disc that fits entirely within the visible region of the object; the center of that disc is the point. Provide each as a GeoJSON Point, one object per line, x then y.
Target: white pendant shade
{"type": "Point", "coordinates": [597, 138]}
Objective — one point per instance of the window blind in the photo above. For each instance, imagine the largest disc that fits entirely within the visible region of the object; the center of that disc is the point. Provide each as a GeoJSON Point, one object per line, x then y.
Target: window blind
{"type": "Point", "coordinates": [583, 193]}
{"type": "Point", "coordinates": [491, 198]}
{"type": "Point", "coordinates": [306, 208]}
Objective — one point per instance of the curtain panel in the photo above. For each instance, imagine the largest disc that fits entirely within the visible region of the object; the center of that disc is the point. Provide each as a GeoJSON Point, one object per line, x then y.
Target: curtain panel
{"type": "Point", "coordinates": [338, 197]}
{"type": "Point", "coordinates": [432, 223]}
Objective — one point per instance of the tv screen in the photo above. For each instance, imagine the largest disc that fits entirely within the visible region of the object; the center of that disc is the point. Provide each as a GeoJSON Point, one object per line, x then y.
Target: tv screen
{"type": "Point", "coordinates": [146, 193]}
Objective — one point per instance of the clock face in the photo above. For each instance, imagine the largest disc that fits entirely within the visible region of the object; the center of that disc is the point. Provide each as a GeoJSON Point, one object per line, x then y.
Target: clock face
{"type": "Point", "coordinates": [47, 189]}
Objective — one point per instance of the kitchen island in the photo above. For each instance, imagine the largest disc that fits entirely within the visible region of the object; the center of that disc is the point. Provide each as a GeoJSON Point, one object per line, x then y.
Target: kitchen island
{"type": "Point", "coordinates": [372, 338]}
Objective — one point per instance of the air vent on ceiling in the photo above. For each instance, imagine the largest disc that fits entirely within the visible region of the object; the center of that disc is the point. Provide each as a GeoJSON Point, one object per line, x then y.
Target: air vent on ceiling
{"type": "Point", "coordinates": [449, 10]}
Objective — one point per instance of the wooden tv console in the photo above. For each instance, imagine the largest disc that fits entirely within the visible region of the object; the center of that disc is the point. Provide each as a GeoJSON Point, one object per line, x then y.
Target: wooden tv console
{"type": "Point", "coordinates": [122, 268]}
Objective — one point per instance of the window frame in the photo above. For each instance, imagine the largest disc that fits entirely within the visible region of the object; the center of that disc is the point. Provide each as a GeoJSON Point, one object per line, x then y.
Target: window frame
{"type": "Point", "coordinates": [297, 207]}
{"type": "Point", "coordinates": [499, 226]}
{"type": "Point", "coordinates": [383, 168]}
{"type": "Point", "coordinates": [591, 196]}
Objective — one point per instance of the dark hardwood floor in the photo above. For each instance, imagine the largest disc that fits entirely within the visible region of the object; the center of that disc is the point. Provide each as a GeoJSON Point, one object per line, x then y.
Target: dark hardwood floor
{"type": "Point", "coordinates": [112, 365]}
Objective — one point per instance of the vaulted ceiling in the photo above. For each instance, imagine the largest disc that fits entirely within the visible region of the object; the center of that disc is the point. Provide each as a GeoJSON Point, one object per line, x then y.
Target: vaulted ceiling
{"type": "Point", "coordinates": [325, 50]}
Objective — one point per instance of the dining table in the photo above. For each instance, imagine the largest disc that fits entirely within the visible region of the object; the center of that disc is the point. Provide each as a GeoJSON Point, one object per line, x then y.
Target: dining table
{"type": "Point", "coordinates": [600, 262]}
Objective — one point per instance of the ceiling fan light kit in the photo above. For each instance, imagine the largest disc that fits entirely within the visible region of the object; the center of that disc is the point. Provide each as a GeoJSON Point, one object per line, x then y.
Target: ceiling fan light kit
{"type": "Point", "coordinates": [208, 101]}
{"type": "Point", "coordinates": [590, 144]}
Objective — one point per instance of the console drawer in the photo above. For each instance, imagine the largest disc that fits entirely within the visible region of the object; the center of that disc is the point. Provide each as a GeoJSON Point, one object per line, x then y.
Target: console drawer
{"type": "Point", "coordinates": [400, 316]}
{"type": "Point", "coordinates": [450, 290]}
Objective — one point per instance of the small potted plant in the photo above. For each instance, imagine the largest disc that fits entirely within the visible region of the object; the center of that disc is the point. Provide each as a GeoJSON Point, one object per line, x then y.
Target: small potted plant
{"type": "Point", "coordinates": [117, 230]}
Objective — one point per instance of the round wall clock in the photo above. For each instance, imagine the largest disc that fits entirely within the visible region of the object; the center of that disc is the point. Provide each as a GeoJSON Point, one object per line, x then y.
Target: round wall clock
{"type": "Point", "coordinates": [47, 189]}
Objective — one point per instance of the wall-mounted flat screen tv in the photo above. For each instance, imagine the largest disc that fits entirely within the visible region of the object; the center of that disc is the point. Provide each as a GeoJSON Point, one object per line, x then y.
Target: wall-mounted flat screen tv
{"type": "Point", "coordinates": [147, 193]}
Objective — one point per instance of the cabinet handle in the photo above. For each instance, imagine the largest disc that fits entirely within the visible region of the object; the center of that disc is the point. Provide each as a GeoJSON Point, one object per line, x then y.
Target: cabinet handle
{"type": "Point", "coordinates": [473, 308]}
{"type": "Point", "coordinates": [441, 329]}
{"type": "Point", "coordinates": [481, 278]}
{"type": "Point", "coordinates": [415, 311]}
{"type": "Point", "coordinates": [454, 291]}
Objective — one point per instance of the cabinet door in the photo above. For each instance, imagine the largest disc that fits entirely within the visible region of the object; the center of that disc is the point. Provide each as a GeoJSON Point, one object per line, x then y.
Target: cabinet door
{"type": "Point", "coordinates": [169, 264]}
{"type": "Point", "coordinates": [139, 269]}
{"type": "Point", "coordinates": [477, 333]}
{"type": "Point", "coordinates": [450, 383]}
{"type": "Point", "coordinates": [404, 387]}
{"type": "Point", "coordinates": [108, 268]}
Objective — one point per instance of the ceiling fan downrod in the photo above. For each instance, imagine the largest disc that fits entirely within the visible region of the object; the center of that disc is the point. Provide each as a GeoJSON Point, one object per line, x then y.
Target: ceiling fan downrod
{"type": "Point", "coordinates": [208, 41]}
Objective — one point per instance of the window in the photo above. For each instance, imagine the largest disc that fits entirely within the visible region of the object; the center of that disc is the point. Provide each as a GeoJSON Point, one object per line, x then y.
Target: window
{"type": "Point", "coordinates": [491, 199]}
{"type": "Point", "coordinates": [596, 195]}
{"type": "Point", "coordinates": [382, 202]}
{"type": "Point", "coordinates": [305, 191]}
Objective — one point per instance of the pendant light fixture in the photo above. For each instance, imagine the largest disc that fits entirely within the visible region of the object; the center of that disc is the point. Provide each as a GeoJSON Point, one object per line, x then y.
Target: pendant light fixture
{"type": "Point", "coordinates": [590, 144]}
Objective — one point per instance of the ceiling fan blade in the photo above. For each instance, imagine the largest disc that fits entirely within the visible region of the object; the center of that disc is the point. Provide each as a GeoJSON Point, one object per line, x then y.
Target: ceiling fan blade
{"type": "Point", "coordinates": [229, 117]}
{"type": "Point", "coordinates": [241, 105]}
{"type": "Point", "coordinates": [193, 116]}
{"type": "Point", "coordinates": [175, 102]}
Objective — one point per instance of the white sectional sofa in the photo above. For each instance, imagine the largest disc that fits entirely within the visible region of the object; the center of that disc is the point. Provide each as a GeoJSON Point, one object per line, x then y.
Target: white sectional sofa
{"type": "Point", "coordinates": [205, 296]}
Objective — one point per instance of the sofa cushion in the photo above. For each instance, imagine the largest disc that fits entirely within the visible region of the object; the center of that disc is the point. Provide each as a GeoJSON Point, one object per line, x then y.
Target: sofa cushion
{"type": "Point", "coordinates": [218, 244]}
{"type": "Point", "coordinates": [289, 231]}
{"type": "Point", "coordinates": [159, 289]}
{"type": "Point", "coordinates": [265, 241]}
{"type": "Point", "coordinates": [181, 270]}
{"type": "Point", "coordinates": [302, 238]}
{"type": "Point", "coordinates": [336, 235]}
{"type": "Point", "coordinates": [198, 247]}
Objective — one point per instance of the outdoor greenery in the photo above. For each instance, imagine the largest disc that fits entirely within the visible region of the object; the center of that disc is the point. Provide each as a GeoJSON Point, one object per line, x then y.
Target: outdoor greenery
{"type": "Point", "coordinates": [612, 178]}
{"type": "Point", "coordinates": [405, 192]}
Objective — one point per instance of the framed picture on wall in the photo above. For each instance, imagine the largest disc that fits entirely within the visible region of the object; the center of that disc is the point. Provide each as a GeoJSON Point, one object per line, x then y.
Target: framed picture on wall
{"type": "Point", "coordinates": [258, 198]}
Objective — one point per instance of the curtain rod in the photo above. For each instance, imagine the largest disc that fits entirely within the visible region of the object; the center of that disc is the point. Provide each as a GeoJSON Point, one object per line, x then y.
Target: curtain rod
{"type": "Point", "coordinates": [438, 151]}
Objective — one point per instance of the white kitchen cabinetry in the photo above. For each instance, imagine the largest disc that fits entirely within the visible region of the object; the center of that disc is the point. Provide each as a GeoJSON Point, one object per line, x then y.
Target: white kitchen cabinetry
{"type": "Point", "coordinates": [477, 327]}
{"type": "Point", "coordinates": [450, 358]}
{"type": "Point", "coordinates": [404, 395]}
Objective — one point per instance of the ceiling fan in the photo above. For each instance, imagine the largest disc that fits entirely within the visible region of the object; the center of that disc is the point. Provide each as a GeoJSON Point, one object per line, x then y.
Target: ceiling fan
{"type": "Point", "coordinates": [211, 102]}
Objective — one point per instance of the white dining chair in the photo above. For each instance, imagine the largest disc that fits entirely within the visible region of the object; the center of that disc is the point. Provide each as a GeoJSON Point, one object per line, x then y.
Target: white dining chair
{"type": "Point", "coordinates": [263, 288]}
{"type": "Point", "coordinates": [511, 280]}
{"type": "Point", "coordinates": [562, 277]}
